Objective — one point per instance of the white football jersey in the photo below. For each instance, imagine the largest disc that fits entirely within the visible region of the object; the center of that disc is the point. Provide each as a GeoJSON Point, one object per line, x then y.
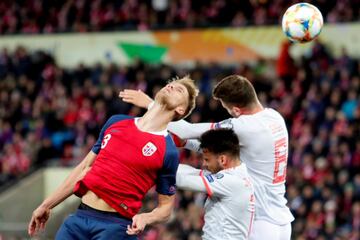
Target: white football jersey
{"type": "Point", "coordinates": [230, 206]}
{"type": "Point", "coordinates": [264, 148]}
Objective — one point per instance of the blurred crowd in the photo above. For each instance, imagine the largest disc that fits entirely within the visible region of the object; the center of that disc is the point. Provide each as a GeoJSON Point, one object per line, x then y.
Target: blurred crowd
{"type": "Point", "coordinates": [45, 16]}
{"type": "Point", "coordinates": [50, 113]}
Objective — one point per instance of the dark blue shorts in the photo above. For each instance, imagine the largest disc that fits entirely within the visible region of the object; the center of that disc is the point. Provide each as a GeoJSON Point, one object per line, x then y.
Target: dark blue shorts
{"type": "Point", "coordinates": [88, 224]}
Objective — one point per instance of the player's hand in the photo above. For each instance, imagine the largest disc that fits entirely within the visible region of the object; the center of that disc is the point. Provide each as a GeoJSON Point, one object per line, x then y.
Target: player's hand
{"type": "Point", "coordinates": [136, 97]}
{"type": "Point", "coordinates": [138, 225]}
{"type": "Point", "coordinates": [38, 220]}
{"type": "Point", "coordinates": [177, 140]}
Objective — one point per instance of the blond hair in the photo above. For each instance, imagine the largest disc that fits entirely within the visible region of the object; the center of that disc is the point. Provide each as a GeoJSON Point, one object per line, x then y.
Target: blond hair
{"type": "Point", "coordinates": [192, 90]}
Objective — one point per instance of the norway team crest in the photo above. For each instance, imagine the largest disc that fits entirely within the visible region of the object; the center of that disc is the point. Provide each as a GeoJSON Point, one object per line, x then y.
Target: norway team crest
{"type": "Point", "coordinates": [149, 149]}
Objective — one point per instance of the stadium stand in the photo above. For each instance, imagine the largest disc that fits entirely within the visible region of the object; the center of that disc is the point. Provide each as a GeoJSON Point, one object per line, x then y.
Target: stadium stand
{"type": "Point", "coordinates": [30, 17]}
{"type": "Point", "coordinates": [46, 113]}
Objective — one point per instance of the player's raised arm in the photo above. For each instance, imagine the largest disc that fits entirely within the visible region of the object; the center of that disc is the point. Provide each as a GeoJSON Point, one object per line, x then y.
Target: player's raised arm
{"type": "Point", "coordinates": [186, 130]}
{"type": "Point", "coordinates": [136, 97]}
{"type": "Point", "coordinates": [42, 213]}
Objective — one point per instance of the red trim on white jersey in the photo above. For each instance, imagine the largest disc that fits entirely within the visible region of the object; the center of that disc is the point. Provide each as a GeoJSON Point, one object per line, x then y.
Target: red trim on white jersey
{"type": "Point", "coordinates": [212, 126]}
{"type": "Point", "coordinates": [208, 189]}
{"type": "Point", "coordinates": [251, 222]}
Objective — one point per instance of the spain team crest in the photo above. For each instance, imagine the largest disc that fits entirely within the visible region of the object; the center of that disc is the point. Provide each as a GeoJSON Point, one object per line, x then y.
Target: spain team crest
{"type": "Point", "coordinates": [149, 149]}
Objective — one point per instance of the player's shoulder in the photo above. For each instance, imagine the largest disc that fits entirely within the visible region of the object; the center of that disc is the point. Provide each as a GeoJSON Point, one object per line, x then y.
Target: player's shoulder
{"type": "Point", "coordinates": [115, 119]}
{"type": "Point", "coordinates": [273, 113]}
{"type": "Point", "coordinates": [119, 117]}
{"type": "Point", "coordinates": [233, 174]}
{"type": "Point", "coordinates": [170, 145]}
{"type": "Point", "coordinates": [221, 176]}
{"type": "Point", "coordinates": [171, 153]}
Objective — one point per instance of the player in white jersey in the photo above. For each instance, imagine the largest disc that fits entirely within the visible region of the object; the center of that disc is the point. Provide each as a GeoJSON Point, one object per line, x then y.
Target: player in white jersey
{"type": "Point", "coordinates": [230, 206]}
{"type": "Point", "coordinates": [263, 147]}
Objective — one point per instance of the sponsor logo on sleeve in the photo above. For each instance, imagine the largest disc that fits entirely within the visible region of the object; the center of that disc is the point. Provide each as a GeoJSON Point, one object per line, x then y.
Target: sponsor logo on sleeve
{"type": "Point", "coordinates": [172, 189]}
{"type": "Point", "coordinates": [219, 176]}
{"type": "Point", "coordinates": [224, 124]}
{"type": "Point", "coordinates": [149, 149]}
{"type": "Point", "coordinates": [209, 178]}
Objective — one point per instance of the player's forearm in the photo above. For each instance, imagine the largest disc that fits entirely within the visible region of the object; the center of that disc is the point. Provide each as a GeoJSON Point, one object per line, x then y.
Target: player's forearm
{"type": "Point", "coordinates": [163, 211]}
{"type": "Point", "coordinates": [186, 130]}
{"type": "Point", "coordinates": [66, 188]}
{"type": "Point", "coordinates": [158, 215]}
{"type": "Point", "coordinates": [190, 182]}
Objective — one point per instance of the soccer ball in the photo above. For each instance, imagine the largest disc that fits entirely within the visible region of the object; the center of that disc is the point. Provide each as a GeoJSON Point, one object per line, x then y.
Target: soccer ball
{"type": "Point", "coordinates": [302, 22]}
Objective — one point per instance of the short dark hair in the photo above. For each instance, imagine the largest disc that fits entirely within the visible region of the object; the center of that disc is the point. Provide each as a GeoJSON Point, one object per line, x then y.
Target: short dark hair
{"type": "Point", "coordinates": [235, 89]}
{"type": "Point", "coordinates": [221, 141]}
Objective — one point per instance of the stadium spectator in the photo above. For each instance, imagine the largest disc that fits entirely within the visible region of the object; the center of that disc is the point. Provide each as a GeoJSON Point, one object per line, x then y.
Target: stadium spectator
{"type": "Point", "coordinates": [104, 15]}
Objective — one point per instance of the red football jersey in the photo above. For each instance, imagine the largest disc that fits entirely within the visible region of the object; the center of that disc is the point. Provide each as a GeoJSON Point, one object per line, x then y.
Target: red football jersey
{"type": "Point", "coordinates": [128, 164]}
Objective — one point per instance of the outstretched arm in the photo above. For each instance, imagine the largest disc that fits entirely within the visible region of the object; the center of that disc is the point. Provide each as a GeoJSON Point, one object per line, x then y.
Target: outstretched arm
{"type": "Point", "coordinates": [160, 214]}
{"type": "Point", "coordinates": [186, 130]}
{"type": "Point", "coordinates": [42, 213]}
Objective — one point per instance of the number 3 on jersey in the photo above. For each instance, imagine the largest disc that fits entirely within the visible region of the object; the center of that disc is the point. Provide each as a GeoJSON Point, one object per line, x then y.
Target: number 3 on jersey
{"type": "Point", "coordinates": [105, 140]}
{"type": "Point", "coordinates": [280, 161]}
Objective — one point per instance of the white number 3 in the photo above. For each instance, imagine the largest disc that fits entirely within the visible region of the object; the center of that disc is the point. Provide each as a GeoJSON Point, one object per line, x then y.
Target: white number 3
{"type": "Point", "coordinates": [105, 140]}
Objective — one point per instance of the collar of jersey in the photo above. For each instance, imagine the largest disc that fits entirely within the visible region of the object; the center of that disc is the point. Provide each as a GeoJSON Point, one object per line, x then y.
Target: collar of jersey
{"type": "Point", "coordinates": [241, 167]}
{"type": "Point", "coordinates": [161, 133]}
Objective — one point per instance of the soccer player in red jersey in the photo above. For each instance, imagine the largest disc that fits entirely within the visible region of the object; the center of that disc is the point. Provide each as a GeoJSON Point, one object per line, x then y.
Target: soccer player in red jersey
{"type": "Point", "coordinates": [131, 156]}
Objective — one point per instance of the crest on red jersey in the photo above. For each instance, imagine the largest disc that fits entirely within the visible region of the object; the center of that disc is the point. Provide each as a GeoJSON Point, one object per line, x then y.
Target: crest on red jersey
{"type": "Point", "coordinates": [149, 149]}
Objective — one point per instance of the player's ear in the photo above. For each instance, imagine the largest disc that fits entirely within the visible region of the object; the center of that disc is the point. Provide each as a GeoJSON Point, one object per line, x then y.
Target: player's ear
{"type": "Point", "coordinates": [180, 110]}
{"type": "Point", "coordinates": [236, 111]}
{"type": "Point", "coordinates": [223, 160]}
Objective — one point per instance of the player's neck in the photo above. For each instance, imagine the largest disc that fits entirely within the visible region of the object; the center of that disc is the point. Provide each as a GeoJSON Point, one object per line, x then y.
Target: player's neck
{"type": "Point", "coordinates": [252, 110]}
{"type": "Point", "coordinates": [233, 164]}
{"type": "Point", "coordinates": [155, 119]}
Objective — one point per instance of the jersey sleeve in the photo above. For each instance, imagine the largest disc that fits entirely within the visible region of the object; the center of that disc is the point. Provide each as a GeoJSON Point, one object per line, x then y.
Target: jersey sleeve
{"type": "Point", "coordinates": [193, 145]}
{"type": "Point", "coordinates": [189, 178]}
{"type": "Point", "coordinates": [113, 119]}
{"type": "Point", "coordinates": [185, 169]}
{"type": "Point", "coordinates": [166, 180]}
{"type": "Point", "coordinates": [219, 184]}
{"type": "Point", "coordinates": [186, 130]}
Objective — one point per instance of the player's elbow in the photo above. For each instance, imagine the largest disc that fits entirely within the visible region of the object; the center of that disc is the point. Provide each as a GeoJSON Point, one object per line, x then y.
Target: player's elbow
{"type": "Point", "coordinates": [166, 216]}
{"type": "Point", "coordinates": [165, 207]}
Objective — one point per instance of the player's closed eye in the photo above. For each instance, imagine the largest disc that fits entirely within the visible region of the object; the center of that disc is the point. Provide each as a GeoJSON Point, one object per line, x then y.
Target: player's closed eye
{"type": "Point", "coordinates": [179, 89]}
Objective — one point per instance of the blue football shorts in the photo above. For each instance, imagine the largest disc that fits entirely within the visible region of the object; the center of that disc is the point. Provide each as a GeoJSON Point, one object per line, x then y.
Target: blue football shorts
{"type": "Point", "coordinates": [91, 224]}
